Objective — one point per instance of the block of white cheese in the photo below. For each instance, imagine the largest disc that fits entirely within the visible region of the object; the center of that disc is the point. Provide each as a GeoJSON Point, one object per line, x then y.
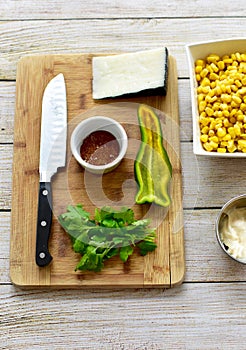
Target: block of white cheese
{"type": "Point", "coordinates": [143, 72]}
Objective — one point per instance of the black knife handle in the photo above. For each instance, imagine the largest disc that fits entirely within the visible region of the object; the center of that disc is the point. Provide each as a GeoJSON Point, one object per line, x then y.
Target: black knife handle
{"type": "Point", "coordinates": [44, 222]}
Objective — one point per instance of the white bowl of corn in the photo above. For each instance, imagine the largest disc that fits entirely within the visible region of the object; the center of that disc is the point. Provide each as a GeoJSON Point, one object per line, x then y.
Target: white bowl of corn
{"type": "Point", "coordinates": [218, 94]}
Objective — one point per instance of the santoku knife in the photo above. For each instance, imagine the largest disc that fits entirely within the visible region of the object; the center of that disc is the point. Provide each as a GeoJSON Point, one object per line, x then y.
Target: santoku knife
{"type": "Point", "coordinates": [52, 156]}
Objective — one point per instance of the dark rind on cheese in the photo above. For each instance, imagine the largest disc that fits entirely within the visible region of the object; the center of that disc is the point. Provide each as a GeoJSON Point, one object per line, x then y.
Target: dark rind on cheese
{"type": "Point", "coordinates": [158, 91]}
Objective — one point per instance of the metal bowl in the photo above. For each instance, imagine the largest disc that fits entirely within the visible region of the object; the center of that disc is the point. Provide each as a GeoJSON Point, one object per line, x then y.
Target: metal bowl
{"type": "Point", "coordinates": [236, 202]}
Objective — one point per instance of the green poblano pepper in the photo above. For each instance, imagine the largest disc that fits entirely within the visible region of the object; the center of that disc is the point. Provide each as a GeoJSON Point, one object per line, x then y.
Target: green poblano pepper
{"type": "Point", "coordinates": [153, 169]}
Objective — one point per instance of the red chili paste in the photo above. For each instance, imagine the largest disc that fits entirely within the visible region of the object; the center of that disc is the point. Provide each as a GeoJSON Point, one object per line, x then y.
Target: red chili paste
{"type": "Point", "coordinates": [100, 148]}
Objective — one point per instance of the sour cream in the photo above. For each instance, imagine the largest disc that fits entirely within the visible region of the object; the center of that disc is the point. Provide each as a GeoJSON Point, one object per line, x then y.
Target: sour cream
{"type": "Point", "coordinates": [233, 233]}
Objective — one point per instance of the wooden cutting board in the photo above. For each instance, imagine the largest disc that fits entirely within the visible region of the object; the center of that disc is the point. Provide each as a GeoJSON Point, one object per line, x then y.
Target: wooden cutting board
{"type": "Point", "coordinates": [163, 268]}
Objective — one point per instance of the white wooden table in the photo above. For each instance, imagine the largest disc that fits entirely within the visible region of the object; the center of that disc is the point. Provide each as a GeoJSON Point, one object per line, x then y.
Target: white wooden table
{"type": "Point", "coordinates": [208, 310]}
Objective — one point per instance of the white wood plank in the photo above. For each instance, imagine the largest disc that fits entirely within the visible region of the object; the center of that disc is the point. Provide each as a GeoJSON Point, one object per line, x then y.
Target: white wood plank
{"type": "Point", "coordinates": [206, 182]}
{"type": "Point", "coordinates": [192, 316]}
{"type": "Point", "coordinates": [19, 9]}
{"type": "Point", "coordinates": [73, 36]}
{"type": "Point", "coordinates": [7, 103]}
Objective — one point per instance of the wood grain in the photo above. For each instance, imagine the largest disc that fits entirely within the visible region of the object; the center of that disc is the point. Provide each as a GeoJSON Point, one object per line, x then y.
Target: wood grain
{"type": "Point", "coordinates": [11, 10]}
{"type": "Point", "coordinates": [164, 267]}
{"type": "Point", "coordinates": [7, 110]}
{"type": "Point", "coordinates": [208, 313]}
{"type": "Point", "coordinates": [116, 320]}
{"type": "Point", "coordinates": [104, 36]}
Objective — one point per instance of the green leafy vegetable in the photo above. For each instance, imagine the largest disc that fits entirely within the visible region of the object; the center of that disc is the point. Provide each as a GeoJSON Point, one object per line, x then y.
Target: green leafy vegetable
{"type": "Point", "coordinates": [111, 232]}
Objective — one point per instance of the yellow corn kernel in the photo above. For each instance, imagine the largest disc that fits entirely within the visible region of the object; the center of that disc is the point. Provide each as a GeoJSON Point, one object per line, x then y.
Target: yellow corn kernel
{"type": "Point", "coordinates": [242, 91]}
{"type": "Point", "coordinates": [231, 132]}
{"type": "Point", "coordinates": [226, 123]}
{"type": "Point", "coordinates": [202, 105]}
{"type": "Point", "coordinates": [234, 88]}
{"type": "Point", "coordinates": [228, 89]}
{"type": "Point", "coordinates": [198, 78]}
{"type": "Point", "coordinates": [220, 114]}
{"type": "Point", "coordinates": [213, 99]}
{"type": "Point", "coordinates": [211, 92]}
{"type": "Point", "coordinates": [200, 62]}
{"type": "Point", "coordinates": [211, 133]}
{"type": "Point", "coordinates": [238, 56]}
{"type": "Point", "coordinates": [242, 143]}
{"type": "Point", "coordinates": [243, 106]}
{"type": "Point", "coordinates": [212, 125]}
{"type": "Point", "coordinates": [213, 76]}
{"type": "Point", "coordinates": [238, 83]}
{"type": "Point", "coordinates": [200, 97]}
{"type": "Point", "coordinates": [205, 89]}
{"type": "Point", "coordinates": [233, 112]}
{"type": "Point", "coordinates": [214, 144]}
{"type": "Point", "coordinates": [240, 117]}
{"type": "Point", "coordinates": [204, 138]}
{"type": "Point", "coordinates": [224, 106]}
{"type": "Point", "coordinates": [226, 113]}
{"type": "Point", "coordinates": [231, 146]}
{"type": "Point", "coordinates": [204, 72]}
{"type": "Point", "coordinates": [213, 58]}
{"type": "Point", "coordinates": [236, 99]}
{"type": "Point", "coordinates": [244, 150]}
{"type": "Point", "coordinates": [208, 99]}
{"type": "Point", "coordinates": [221, 65]}
{"type": "Point", "coordinates": [244, 81]}
{"type": "Point", "coordinates": [226, 98]}
{"type": "Point", "coordinates": [227, 60]}
{"type": "Point", "coordinates": [234, 104]}
{"type": "Point", "coordinates": [243, 136]}
{"type": "Point", "coordinates": [216, 106]}
{"type": "Point", "coordinates": [198, 69]}
{"type": "Point", "coordinates": [205, 129]}
{"type": "Point", "coordinates": [221, 150]}
{"type": "Point", "coordinates": [209, 111]}
{"type": "Point", "coordinates": [214, 139]}
{"type": "Point", "coordinates": [205, 81]}
{"type": "Point", "coordinates": [218, 90]}
{"type": "Point", "coordinates": [204, 121]}
{"type": "Point", "coordinates": [237, 130]}
{"type": "Point", "coordinates": [214, 67]}
{"type": "Point", "coordinates": [208, 147]}
{"type": "Point", "coordinates": [224, 143]}
{"type": "Point", "coordinates": [227, 137]}
{"type": "Point", "coordinates": [243, 57]}
{"type": "Point", "coordinates": [221, 132]}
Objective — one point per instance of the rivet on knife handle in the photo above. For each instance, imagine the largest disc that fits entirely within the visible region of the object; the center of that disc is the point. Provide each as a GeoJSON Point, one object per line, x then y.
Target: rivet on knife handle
{"type": "Point", "coordinates": [44, 221]}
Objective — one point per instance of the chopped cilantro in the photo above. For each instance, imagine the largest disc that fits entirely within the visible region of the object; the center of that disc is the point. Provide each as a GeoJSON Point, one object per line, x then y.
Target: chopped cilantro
{"type": "Point", "coordinates": [112, 232]}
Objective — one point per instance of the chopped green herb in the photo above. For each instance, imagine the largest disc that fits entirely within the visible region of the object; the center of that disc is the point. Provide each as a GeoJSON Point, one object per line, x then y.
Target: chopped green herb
{"type": "Point", "coordinates": [111, 232]}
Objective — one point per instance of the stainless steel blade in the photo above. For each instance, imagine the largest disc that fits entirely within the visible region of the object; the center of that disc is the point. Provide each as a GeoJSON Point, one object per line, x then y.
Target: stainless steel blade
{"type": "Point", "coordinates": [53, 128]}
{"type": "Point", "coordinates": [52, 156]}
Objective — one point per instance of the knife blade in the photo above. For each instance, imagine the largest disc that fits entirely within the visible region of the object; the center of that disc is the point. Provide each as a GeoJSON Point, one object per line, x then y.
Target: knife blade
{"type": "Point", "coordinates": [53, 140]}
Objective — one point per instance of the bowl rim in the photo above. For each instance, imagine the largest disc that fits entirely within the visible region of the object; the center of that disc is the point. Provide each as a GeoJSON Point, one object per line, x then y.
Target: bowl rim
{"type": "Point", "coordinates": [123, 148]}
{"type": "Point", "coordinates": [197, 146]}
{"type": "Point", "coordinates": [217, 222]}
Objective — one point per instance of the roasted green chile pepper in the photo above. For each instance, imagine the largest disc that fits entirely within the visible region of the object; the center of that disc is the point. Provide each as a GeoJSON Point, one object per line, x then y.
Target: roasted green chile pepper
{"type": "Point", "coordinates": [153, 169]}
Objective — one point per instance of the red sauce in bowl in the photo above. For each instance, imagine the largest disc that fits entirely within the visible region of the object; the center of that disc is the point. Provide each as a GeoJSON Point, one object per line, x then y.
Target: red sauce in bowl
{"type": "Point", "coordinates": [99, 148]}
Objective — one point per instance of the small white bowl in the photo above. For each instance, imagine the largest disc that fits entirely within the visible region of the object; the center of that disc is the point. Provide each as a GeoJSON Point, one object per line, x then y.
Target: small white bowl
{"type": "Point", "coordinates": [234, 203]}
{"type": "Point", "coordinates": [91, 124]}
{"type": "Point", "coordinates": [202, 50]}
